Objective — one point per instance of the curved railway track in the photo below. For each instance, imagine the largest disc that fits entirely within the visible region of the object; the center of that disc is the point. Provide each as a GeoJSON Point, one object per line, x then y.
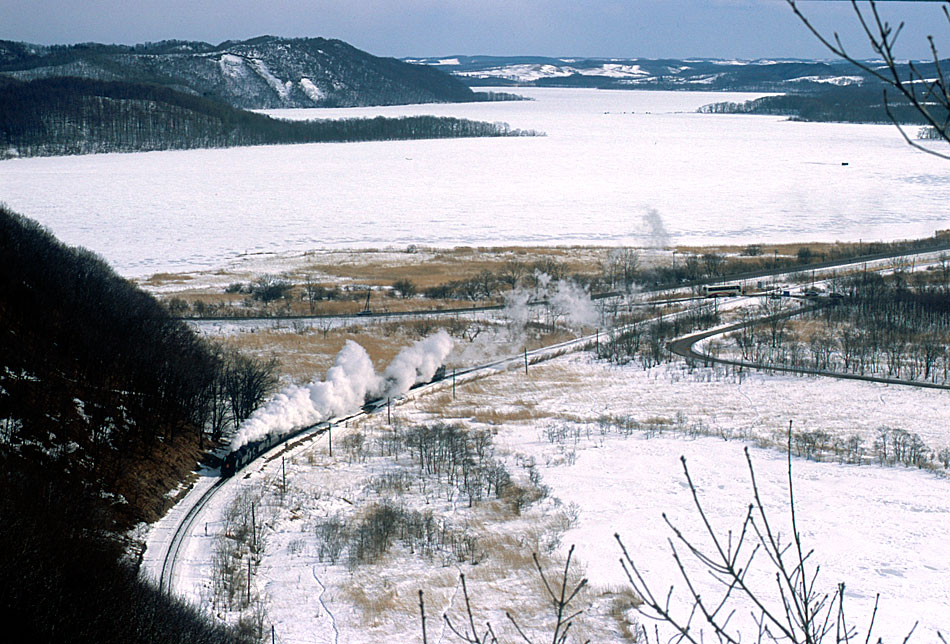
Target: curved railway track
{"type": "Point", "coordinates": [166, 580]}
{"type": "Point", "coordinates": [680, 346]}
{"type": "Point", "coordinates": [184, 526]}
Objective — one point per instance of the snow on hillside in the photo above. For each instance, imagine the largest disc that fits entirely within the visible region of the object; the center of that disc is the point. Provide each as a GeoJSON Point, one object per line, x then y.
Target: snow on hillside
{"type": "Point", "coordinates": [527, 73]}
{"type": "Point", "coordinates": [833, 80]}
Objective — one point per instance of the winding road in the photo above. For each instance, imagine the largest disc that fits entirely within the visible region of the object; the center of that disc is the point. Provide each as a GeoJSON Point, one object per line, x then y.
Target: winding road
{"type": "Point", "coordinates": [684, 347]}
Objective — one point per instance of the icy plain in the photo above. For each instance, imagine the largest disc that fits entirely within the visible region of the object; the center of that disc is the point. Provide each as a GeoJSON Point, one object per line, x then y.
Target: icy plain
{"type": "Point", "coordinates": [607, 157]}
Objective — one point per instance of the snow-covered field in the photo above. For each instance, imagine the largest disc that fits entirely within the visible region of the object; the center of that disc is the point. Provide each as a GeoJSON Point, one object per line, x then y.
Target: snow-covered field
{"type": "Point", "coordinates": [608, 157]}
{"type": "Point", "coordinates": [880, 530]}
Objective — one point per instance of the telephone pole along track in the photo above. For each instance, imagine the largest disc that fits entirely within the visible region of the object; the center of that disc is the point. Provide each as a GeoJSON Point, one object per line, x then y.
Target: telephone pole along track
{"type": "Point", "coordinates": [184, 526]}
{"type": "Point", "coordinates": [681, 346]}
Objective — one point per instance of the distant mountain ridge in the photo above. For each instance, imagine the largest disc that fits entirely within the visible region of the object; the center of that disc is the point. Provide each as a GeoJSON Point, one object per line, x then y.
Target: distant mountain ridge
{"type": "Point", "coordinates": [645, 73]}
{"type": "Point", "coordinates": [267, 72]}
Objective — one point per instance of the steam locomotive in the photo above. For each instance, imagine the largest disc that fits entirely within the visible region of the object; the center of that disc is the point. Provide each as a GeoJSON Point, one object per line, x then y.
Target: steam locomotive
{"type": "Point", "coordinates": [240, 457]}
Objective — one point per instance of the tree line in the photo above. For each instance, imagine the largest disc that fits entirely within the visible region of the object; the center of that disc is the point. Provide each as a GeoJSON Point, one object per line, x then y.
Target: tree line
{"type": "Point", "coordinates": [849, 103]}
{"type": "Point", "coordinates": [97, 375]}
{"type": "Point", "coordinates": [890, 328]}
{"type": "Point", "coordinates": [59, 116]}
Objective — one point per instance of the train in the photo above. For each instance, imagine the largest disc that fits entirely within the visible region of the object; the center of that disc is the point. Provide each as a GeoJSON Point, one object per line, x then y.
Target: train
{"type": "Point", "coordinates": [240, 457]}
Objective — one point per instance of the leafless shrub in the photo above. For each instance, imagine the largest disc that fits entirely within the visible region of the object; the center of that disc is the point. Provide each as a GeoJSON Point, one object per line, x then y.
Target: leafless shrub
{"type": "Point", "coordinates": [799, 611]}
{"type": "Point", "coordinates": [355, 447]}
{"type": "Point", "coordinates": [383, 526]}
{"type": "Point", "coordinates": [558, 594]}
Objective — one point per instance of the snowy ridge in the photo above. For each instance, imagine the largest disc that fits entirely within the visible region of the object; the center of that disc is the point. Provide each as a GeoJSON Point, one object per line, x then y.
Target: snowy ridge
{"type": "Point", "coordinates": [260, 73]}
{"type": "Point", "coordinates": [732, 75]}
{"type": "Point", "coordinates": [233, 66]}
{"type": "Point", "coordinates": [315, 93]}
{"type": "Point", "coordinates": [282, 88]}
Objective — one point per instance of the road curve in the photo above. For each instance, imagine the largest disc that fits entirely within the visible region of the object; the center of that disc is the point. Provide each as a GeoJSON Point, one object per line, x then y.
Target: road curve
{"type": "Point", "coordinates": [684, 347]}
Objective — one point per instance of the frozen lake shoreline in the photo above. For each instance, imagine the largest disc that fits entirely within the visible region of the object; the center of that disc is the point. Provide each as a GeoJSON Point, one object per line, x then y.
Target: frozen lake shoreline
{"type": "Point", "coordinates": [607, 159]}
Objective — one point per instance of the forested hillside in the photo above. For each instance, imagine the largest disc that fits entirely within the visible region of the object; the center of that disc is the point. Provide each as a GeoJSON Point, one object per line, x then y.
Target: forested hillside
{"type": "Point", "coordinates": [79, 116]}
{"type": "Point", "coordinates": [99, 382]}
{"type": "Point", "coordinates": [852, 104]}
{"type": "Point", "coordinates": [106, 405]}
{"type": "Point", "coordinates": [264, 72]}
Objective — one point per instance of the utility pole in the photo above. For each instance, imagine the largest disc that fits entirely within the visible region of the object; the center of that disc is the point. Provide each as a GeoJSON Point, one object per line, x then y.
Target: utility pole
{"type": "Point", "coordinates": [283, 471]}
{"type": "Point", "coordinates": [453, 384]}
{"type": "Point", "coordinates": [389, 417]}
{"type": "Point", "coordinates": [526, 361]}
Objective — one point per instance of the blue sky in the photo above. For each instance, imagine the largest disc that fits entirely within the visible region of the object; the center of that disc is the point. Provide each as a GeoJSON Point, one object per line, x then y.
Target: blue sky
{"type": "Point", "coordinates": [601, 28]}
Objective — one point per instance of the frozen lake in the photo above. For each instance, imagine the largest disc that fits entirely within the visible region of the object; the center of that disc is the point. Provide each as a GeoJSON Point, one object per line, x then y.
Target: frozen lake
{"type": "Point", "coordinates": [608, 157]}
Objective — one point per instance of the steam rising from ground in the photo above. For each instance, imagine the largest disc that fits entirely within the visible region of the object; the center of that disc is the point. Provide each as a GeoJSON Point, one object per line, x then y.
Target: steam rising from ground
{"type": "Point", "coordinates": [349, 383]}
{"type": "Point", "coordinates": [657, 236]}
{"type": "Point", "coordinates": [573, 305]}
{"type": "Point", "coordinates": [548, 304]}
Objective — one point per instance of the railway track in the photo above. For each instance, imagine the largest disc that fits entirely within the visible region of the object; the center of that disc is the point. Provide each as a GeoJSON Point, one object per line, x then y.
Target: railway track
{"type": "Point", "coordinates": [681, 346]}
{"type": "Point", "coordinates": [184, 526]}
{"type": "Point", "coordinates": [166, 580]}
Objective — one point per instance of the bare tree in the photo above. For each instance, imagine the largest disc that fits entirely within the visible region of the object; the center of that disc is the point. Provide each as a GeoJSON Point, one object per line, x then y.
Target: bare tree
{"type": "Point", "coordinates": [621, 266]}
{"type": "Point", "coordinates": [559, 594]}
{"type": "Point", "coordinates": [247, 383]}
{"type": "Point", "coordinates": [405, 288]}
{"type": "Point", "coordinates": [312, 291]}
{"type": "Point", "coordinates": [512, 272]}
{"type": "Point", "coordinates": [799, 611]}
{"type": "Point", "coordinates": [927, 93]}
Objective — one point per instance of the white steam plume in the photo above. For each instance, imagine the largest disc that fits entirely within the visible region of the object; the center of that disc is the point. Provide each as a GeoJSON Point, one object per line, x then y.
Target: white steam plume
{"type": "Point", "coordinates": [657, 235]}
{"type": "Point", "coordinates": [415, 364]}
{"type": "Point", "coordinates": [516, 310]}
{"type": "Point", "coordinates": [346, 387]}
{"type": "Point", "coordinates": [574, 304]}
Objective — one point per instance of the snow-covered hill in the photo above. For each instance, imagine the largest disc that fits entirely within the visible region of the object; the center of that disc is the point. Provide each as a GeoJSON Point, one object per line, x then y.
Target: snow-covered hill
{"type": "Point", "coordinates": [643, 73]}
{"type": "Point", "coordinates": [264, 72]}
